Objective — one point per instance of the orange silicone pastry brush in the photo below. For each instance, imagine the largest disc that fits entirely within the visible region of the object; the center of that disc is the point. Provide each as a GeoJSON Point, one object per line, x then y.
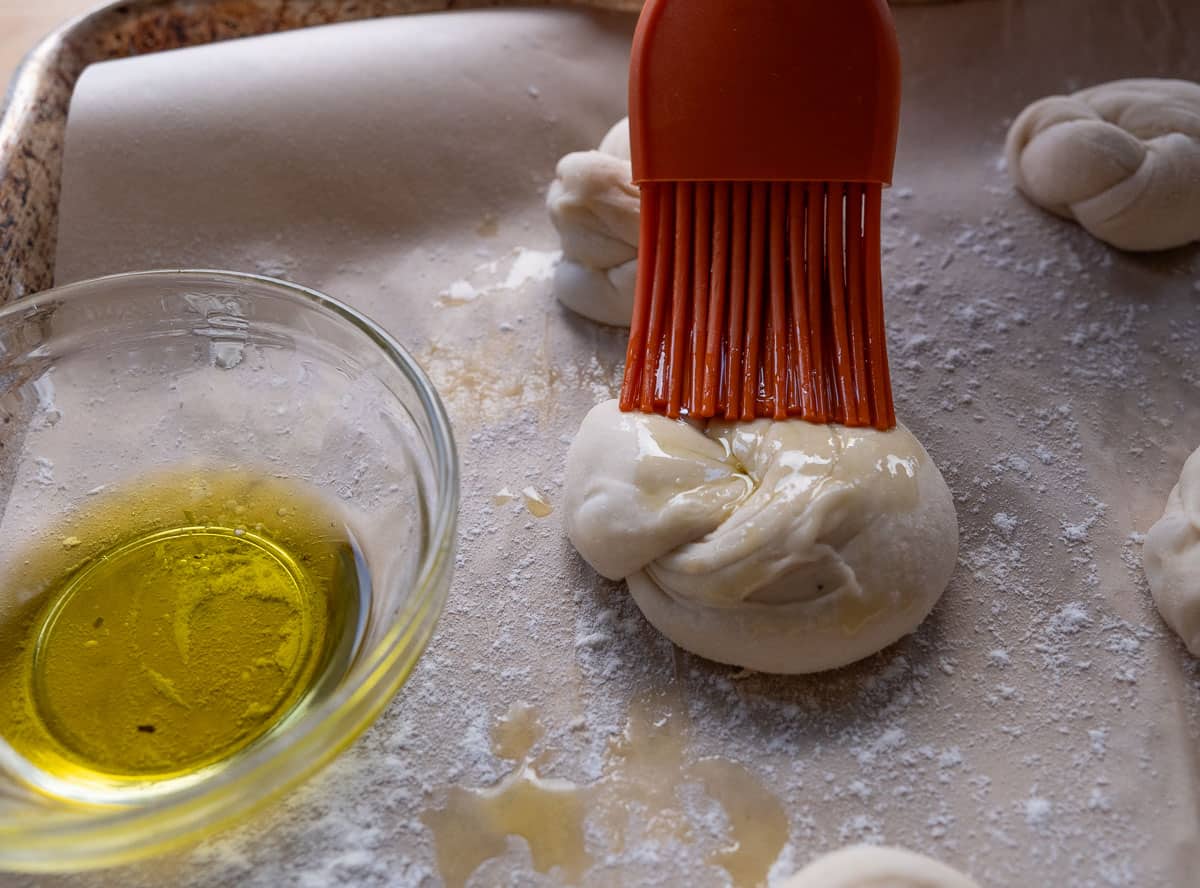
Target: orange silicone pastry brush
{"type": "Point", "coordinates": [763, 133]}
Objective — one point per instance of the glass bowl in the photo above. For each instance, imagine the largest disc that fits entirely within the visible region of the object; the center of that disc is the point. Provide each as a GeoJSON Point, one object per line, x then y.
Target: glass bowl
{"type": "Point", "coordinates": [110, 380]}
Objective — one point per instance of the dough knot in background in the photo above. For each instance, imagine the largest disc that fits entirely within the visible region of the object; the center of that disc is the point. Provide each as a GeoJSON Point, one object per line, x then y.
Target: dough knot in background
{"type": "Point", "coordinates": [595, 205]}
{"type": "Point", "coordinates": [1123, 159]}
{"type": "Point", "coordinates": [868, 866]}
{"type": "Point", "coordinates": [1171, 557]}
{"type": "Point", "coordinates": [783, 547]}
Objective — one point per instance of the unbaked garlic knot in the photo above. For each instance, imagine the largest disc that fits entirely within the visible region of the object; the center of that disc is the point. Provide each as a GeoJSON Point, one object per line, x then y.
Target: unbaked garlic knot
{"type": "Point", "coordinates": [595, 206]}
{"type": "Point", "coordinates": [1172, 557]}
{"type": "Point", "coordinates": [1122, 159]}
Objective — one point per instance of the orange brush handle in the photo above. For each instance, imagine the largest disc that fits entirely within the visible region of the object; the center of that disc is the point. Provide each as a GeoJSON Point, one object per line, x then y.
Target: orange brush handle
{"type": "Point", "coordinates": [764, 91]}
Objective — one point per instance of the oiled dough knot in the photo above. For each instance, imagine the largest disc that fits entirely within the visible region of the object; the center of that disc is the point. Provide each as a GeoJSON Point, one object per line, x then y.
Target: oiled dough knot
{"type": "Point", "coordinates": [1123, 159]}
{"type": "Point", "coordinates": [783, 547]}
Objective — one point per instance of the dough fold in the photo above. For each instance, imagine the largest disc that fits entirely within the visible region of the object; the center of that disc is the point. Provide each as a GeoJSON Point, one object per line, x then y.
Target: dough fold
{"type": "Point", "coordinates": [779, 546]}
{"type": "Point", "coordinates": [868, 866]}
{"type": "Point", "coordinates": [595, 207]}
{"type": "Point", "coordinates": [1122, 159]}
{"type": "Point", "coordinates": [1171, 557]}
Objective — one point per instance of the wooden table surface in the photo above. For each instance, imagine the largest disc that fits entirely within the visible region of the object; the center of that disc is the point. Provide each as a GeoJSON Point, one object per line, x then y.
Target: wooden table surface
{"type": "Point", "coordinates": [24, 22]}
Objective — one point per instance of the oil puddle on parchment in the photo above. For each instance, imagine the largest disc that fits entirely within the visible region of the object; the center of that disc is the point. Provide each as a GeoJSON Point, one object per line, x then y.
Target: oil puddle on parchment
{"type": "Point", "coordinates": [645, 770]}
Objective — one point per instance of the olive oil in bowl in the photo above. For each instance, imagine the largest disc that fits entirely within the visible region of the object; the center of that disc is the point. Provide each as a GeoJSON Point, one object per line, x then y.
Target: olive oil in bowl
{"type": "Point", "coordinates": [179, 621]}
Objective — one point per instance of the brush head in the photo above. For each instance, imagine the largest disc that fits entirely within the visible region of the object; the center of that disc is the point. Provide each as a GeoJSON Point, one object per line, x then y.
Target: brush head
{"type": "Point", "coordinates": [760, 299]}
{"type": "Point", "coordinates": [763, 132]}
{"type": "Point", "coordinates": [765, 91]}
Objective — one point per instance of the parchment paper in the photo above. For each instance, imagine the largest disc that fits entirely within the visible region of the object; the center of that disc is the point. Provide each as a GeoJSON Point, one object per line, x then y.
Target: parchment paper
{"type": "Point", "coordinates": [1041, 728]}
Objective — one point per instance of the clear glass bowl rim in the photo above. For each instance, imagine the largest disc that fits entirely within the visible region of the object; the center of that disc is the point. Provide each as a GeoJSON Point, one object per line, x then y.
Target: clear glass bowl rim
{"type": "Point", "coordinates": [122, 835]}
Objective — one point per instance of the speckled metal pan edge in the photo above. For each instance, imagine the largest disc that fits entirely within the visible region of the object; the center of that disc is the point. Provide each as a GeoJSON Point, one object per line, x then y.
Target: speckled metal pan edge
{"type": "Point", "coordinates": [34, 121]}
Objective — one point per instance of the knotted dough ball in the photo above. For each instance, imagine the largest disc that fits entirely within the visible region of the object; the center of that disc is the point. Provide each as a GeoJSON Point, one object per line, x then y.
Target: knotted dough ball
{"type": "Point", "coordinates": [780, 546]}
{"type": "Point", "coordinates": [595, 206]}
{"type": "Point", "coordinates": [1171, 557]}
{"type": "Point", "coordinates": [1123, 159]}
{"type": "Point", "coordinates": [867, 866]}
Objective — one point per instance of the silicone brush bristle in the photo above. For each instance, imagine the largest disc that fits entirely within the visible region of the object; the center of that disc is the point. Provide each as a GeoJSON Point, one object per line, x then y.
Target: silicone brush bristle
{"type": "Point", "coordinates": [762, 136]}
{"type": "Point", "coordinates": [760, 300]}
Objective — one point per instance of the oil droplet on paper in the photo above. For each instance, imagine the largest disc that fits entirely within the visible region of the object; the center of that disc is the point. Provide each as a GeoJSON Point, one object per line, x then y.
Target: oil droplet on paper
{"type": "Point", "coordinates": [474, 824]}
{"type": "Point", "coordinates": [516, 732]}
{"type": "Point", "coordinates": [535, 503]}
{"type": "Point", "coordinates": [489, 226]}
{"type": "Point", "coordinates": [758, 823]}
{"type": "Point", "coordinates": [503, 497]}
{"type": "Point", "coordinates": [645, 768]}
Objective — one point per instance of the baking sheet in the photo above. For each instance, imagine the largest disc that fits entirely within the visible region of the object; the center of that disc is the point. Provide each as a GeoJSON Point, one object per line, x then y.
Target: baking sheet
{"type": "Point", "coordinates": [1042, 726]}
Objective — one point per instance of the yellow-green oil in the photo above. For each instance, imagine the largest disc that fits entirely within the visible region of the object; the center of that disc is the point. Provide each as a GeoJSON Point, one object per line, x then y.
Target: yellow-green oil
{"type": "Point", "coordinates": [176, 622]}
